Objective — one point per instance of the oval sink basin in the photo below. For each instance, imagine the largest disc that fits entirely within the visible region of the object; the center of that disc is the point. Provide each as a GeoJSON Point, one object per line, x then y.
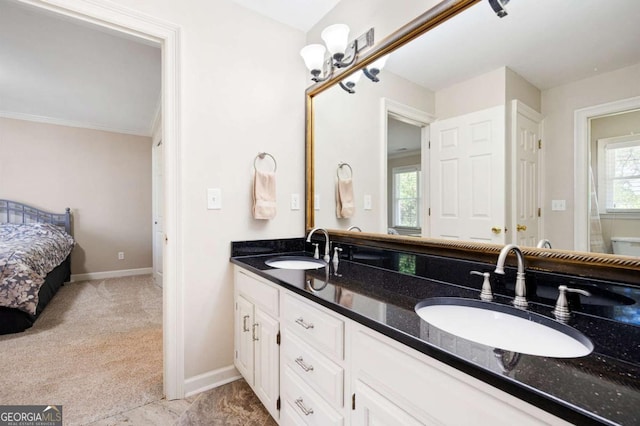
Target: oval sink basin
{"type": "Point", "coordinates": [295, 262]}
{"type": "Point", "coordinates": [504, 327]}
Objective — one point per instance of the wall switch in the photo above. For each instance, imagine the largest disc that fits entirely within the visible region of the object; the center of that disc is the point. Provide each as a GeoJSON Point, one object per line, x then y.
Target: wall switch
{"type": "Point", "coordinates": [214, 198]}
{"type": "Point", "coordinates": [295, 201]}
{"type": "Point", "coordinates": [558, 205]}
{"type": "Point", "coordinates": [367, 202]}
{"type": "Point", "coordinates": [120, 255]}
{"type": "Point", "coordinates": [316, 202]}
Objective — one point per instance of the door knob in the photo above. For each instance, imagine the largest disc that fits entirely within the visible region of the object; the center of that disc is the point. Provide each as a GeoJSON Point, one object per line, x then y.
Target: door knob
{"type": "Point", "coordinates": [521, 228]}
{"type": "Point", "coordinates": [496, 230]}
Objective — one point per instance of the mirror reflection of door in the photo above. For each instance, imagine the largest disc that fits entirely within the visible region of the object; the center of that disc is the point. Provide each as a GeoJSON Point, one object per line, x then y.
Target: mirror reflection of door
{"type": "Point", "coordinates": [526, 172]}
{"type": "Point", "coordinates": [615, 188]}
{"type": "Point", "coordinates": [405, 195]}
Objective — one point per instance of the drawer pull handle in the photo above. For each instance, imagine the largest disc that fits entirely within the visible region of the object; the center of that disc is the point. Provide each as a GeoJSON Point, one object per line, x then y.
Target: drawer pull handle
{"type": "Point", "coordinates": [302, 408]}
{"type": "Point", "coordinates": [254, 336]}
{"type": "Point", "coordinates": [304, 324]}
{"type": "Point", "coordinates": [302, 365]}
{"type": "Point", "coordinates": [245, 327]}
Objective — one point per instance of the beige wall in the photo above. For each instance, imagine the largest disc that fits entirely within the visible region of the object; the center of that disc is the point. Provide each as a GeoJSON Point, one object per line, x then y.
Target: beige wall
{"type": "Point", "coordinates": [348, 128]}
{"type": "Point", "coordinates": [475, 94]}
{"type": "Point", "coordinates": [558, 107]}
{"type": "Point", "coordinates": [104, 177]}
{"type": "Point", "coordinates": [241, 85]}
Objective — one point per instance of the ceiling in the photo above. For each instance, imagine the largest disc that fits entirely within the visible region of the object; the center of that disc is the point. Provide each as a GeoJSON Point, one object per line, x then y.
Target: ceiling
{"type": "Point", "coordinates": [548, 42]}
{"type": "Point", "coordinates": [63, 71]}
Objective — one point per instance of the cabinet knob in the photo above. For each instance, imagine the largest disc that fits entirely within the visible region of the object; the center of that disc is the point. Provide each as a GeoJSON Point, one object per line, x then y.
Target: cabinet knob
{"type": "Point", "coordinates": [496, 230]}
{"type": "Point", "coordinates": [521, 227]}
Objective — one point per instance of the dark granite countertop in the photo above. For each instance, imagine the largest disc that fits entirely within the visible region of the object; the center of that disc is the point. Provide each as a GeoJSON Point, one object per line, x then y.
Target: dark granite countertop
{"type": "Point", "coordinates": [601, 388]}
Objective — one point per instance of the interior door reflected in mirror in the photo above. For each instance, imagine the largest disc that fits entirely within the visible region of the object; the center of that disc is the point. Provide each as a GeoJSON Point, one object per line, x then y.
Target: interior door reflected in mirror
{"type": "Point", "coordinates": [480, 129]}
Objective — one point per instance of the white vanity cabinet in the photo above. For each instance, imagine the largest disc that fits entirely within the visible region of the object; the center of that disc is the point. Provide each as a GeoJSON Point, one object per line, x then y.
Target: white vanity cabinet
{"type": "Point", "coordinates": [394, 384]}
{"type": "Point", "coordinates": [332, 371]}
{"type": "Point", "coordinates": [312, 364]}
{"type": "Point", "coordinates": [256, 328]}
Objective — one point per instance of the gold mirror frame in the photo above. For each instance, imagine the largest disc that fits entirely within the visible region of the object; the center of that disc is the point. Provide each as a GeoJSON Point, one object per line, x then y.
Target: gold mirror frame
{"type": "Point", "coordinates": [592, 265]}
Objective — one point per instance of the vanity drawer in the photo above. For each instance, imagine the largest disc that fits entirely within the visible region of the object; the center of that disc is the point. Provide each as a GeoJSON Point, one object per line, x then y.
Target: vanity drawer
{"type": "Point", "coordinates": [316, 370]}
{"type": "Point", "coordinates": [317, 328]}
{"type": "Point", "coordinates": [302, 405]}
{"type": "Point", "coordinates": [261, 293]}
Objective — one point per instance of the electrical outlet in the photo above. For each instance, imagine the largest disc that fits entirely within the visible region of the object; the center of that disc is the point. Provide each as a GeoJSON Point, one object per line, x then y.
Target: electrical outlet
{"type": "Point", "coordinates": [295, 201]}
{"type": "Point", "coordinates": [120, 255]}
{"type": "Point", "coordinates": [558, 205]}
{"type": "Point", "coordinates": [316, 202]}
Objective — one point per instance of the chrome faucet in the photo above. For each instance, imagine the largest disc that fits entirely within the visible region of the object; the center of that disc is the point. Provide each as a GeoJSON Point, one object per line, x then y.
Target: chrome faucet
{"type": "Point", "coordinates": [520, 300]}
{"type": "Point", "coordinates": [544, 243]}
{"type": "Point", "coordinates": [326, 257]}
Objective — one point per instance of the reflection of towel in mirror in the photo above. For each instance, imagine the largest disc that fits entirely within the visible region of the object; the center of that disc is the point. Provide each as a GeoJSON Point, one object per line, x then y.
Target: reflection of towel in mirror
{"type": "Point", "coordinates": [264, 195]}
{"type": "Point", "coordinates": [344, 198]}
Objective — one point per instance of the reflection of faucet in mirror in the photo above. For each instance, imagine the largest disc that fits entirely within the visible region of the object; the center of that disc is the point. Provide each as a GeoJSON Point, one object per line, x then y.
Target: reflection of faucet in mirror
{"type": "Point", "coordinates": [326, 257]}
{"type": "Point", "coordinates": [506, 363]}
{"type": "Point", "coordinates": [544, 243]}
{"type": "Point", "coordinates": [354, 228]}
{"type": "Point", "coordinates": [310, 280]}
{"type": "Point", "coordinates": [520, 300]}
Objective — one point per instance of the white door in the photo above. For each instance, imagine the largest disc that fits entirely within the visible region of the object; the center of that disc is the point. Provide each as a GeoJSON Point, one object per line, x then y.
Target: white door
{"type": "Point", "coordinates": [158, 213]}
{"type": "Point", "coordinates": [525, 127]}
{"type": "Point", "coordinates": [244, 332]}
{"type": "Point", "coordinates": [468, 177]}
{"type": "Point", "coordinates": [267, 361]}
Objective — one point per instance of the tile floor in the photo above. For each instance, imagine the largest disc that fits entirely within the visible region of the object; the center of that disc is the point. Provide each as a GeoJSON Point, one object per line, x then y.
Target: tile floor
{"type": "Point", "coordinates": [231, 404]}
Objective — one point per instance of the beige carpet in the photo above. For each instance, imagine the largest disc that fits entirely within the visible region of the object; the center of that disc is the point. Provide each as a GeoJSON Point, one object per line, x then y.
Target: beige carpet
{"type": "Point", "coordinates": [96, 349]}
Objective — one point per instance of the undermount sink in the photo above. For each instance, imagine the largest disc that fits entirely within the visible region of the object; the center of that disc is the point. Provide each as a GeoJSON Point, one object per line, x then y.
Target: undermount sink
{"type": "Point", "coordinates": [504, 327]}
{"type": "Point", "coordinates": [295, 262]}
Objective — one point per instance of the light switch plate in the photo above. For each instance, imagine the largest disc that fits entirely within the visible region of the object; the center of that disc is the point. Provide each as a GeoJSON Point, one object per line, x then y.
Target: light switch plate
{"type": "Point", "coordinates": [295, 201]}
{"type": "Point", "coordinates": [316, 202]}
{"type": "Point", "coordinates": [214, 198]}
{"type": "Point", "coordinates": [558, 205]}
{"type": "Point", "coordinates": [367, 202]}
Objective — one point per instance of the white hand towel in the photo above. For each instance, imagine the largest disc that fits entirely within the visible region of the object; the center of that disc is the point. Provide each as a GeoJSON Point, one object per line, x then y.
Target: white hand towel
{"type": "Point", "coordinates": [264, 195]}
{"type": "Point", "coordinates": [345, 206]}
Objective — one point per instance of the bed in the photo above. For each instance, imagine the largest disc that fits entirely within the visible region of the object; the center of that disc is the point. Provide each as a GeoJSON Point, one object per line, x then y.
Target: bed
{"type": "Point", "coordinates": [35, 261]}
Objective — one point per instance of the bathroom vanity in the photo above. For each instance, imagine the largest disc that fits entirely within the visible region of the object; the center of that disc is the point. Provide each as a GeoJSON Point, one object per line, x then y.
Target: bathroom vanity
{"type": "Point", "coordinates": [328, 347]}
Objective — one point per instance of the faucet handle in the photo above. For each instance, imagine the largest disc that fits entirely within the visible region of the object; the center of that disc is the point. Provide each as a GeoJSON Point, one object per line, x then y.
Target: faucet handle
{"type": "Point", "coordinates": [486, 293]}
{"type": "Point", "coordinates": [561, 311]}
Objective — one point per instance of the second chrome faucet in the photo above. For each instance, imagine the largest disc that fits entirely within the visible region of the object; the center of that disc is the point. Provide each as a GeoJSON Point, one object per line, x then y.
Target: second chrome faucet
{"type": "Point", "coordinates": [520, 301]}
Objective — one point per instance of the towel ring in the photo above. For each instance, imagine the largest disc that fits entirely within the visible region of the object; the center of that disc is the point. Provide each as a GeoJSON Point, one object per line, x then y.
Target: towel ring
{"type": "Point", "coordinates": [261, 156]}
{"type": "Point", "coordinates": [340, 166]}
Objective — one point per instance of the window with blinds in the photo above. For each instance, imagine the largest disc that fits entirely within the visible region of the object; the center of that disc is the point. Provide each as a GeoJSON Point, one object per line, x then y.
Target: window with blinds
{"type": "Point", "coordinates": [619, 174]}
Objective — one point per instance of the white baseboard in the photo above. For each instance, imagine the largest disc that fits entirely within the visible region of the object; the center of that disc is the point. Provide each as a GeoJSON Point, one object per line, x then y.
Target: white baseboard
{"type": "Point", "coordinates": [210, 380]}
{"type": "Point", "coordinates": [110, 274]}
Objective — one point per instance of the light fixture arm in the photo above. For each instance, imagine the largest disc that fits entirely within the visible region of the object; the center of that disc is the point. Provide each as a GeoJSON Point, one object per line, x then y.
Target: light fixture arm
{"type": "Point", "coordinates": [348, 86]}
{"type": "Point", "coordinates": [371, 74]}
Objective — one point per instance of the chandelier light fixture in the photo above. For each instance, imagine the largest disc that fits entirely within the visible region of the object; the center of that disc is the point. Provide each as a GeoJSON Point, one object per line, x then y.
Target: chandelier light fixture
{"type": "Point", "coordinates": [342, 54]}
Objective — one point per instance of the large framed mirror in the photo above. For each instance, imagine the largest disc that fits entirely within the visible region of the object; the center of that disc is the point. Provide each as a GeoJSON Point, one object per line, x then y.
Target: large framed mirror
{"type": "Point", "coordinates": [484, 131]}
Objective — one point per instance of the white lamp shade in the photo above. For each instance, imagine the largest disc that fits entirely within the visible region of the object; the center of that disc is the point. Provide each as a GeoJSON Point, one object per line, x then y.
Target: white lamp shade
{"type": "Point", "coordinates": [353, 78]}
{"type": "Point", "coordinates": [336, 37]}
{"type": "Point", "coordinates": [379, 63]}
{"type": "Point", "coordinates": [313, 56]}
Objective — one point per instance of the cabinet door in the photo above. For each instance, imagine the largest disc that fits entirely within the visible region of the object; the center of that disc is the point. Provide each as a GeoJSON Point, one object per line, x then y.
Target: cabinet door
{"type": "Point", "coordinates": [244, 338]}
{"type": "Point", "coordinates": [372, 408]}
{"type": "Point", "coordinates": [267, 361]}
